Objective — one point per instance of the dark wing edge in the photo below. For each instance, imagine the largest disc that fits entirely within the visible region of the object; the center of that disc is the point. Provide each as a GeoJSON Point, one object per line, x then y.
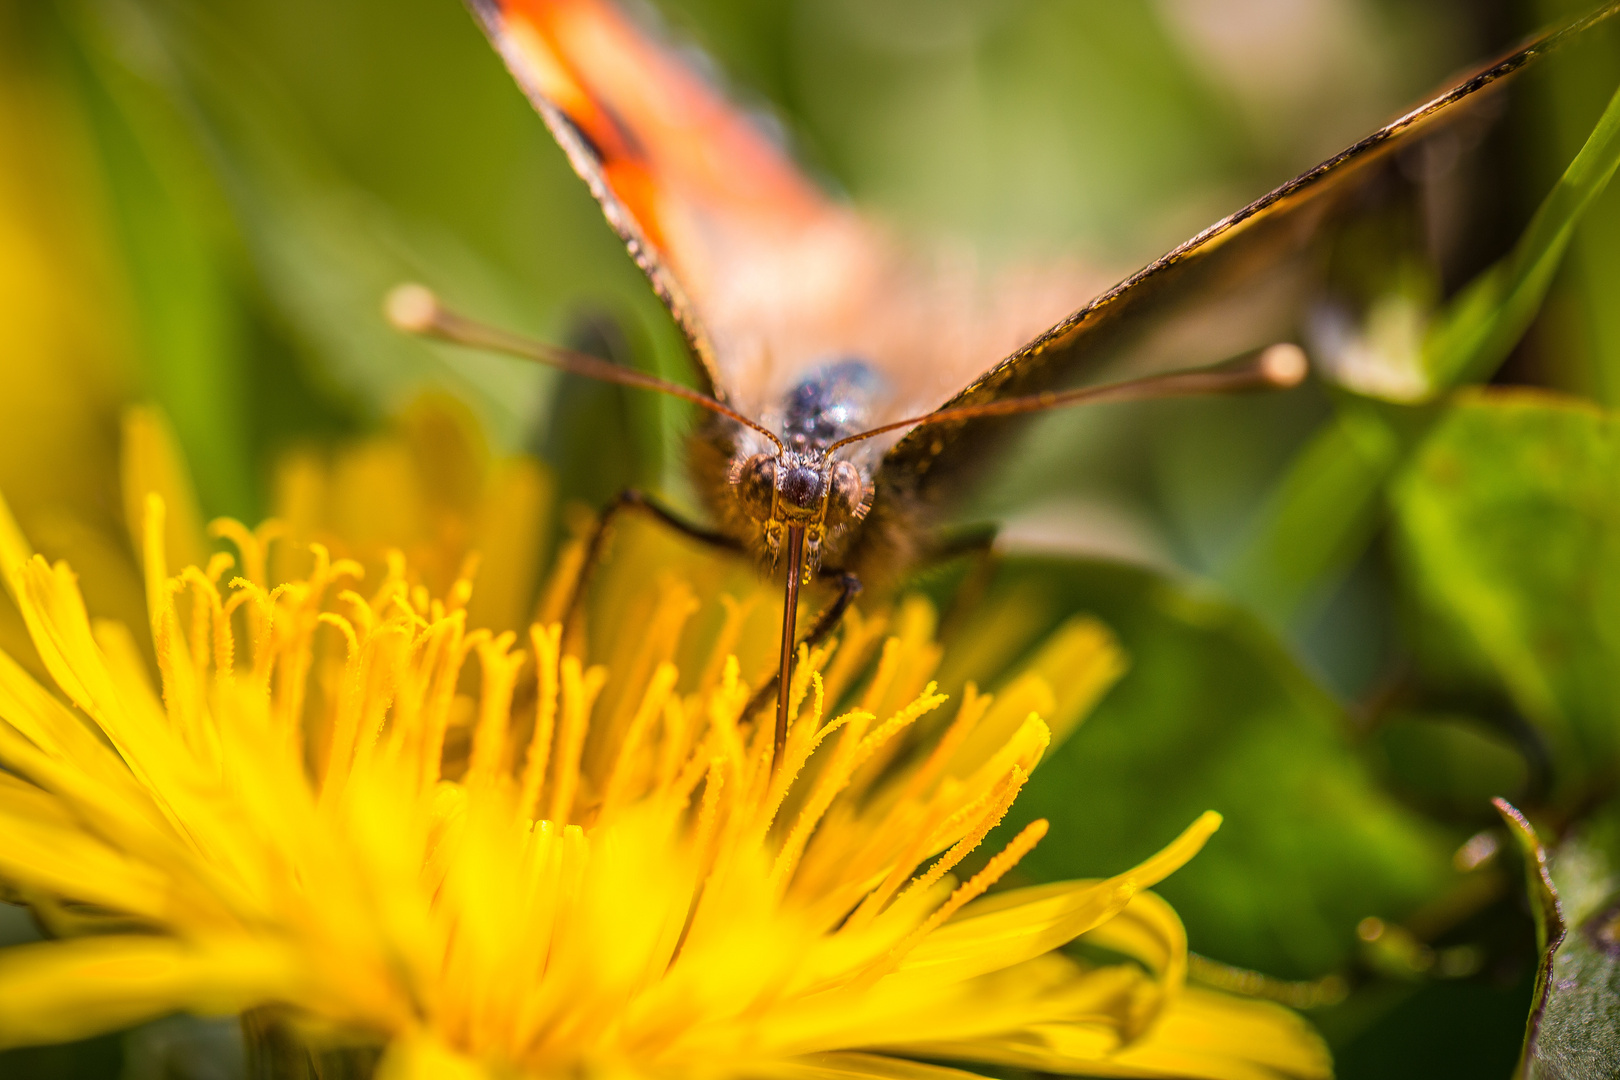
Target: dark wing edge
{"type": "Point", "coordinates": [922, 444]}
{"type": "Point", "coordinates": [587, 165]}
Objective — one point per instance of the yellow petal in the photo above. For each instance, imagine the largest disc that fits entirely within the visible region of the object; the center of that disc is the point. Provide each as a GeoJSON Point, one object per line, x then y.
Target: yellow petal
{"type": "Point", "coordinates": [1209, 1034]}
{"type": "Point", "coordinates": [34, 711]}
{"type": "Point", "coordinates": [374, 500]}
{"type": "Point", "coordinates": [57, 991]}
{"type": "Point", "coordinates": [510, 540]}
{"type": "Point", "coordinates": [854, 1066]}
{"type": "Point", "coordinates": [448, 449]}
{"type": "Point", "coordinates": [1202, 1036]}
{"type": "Point", "coordinates": [1150, 931]}
{"type": "Point", "coordinates": [45, 851]}
{"type": "Point", "coordinates": [1080, 661]}
{"type": "Point", "coordinates": [61, 630]}
{"type": "Point", "coordinates": [1056, 1048]}
{"type": "Point", "coordinates": [126, 667]}
{"type": "Point", "coordinates": [420, 1057]}
{"type": "Point", "coordinates": [153, 465]}
{"type": "Point", "coordinates": [14, 547]}
{"type": "Point", "coordinates": [24, 800]}
{"type": "Point", "coordinates": [112, 803]}
{"type": "Point", "coordinates": [1017, 925]}
{"type": "Point", "coordinates": [929, 1020]}
{"type": "Point", "coordinates": [1072, 670]}
{"type": "Point", "coordinates": [1026, 696]}
{"type": "Point", "coordinates": [1176, 853]}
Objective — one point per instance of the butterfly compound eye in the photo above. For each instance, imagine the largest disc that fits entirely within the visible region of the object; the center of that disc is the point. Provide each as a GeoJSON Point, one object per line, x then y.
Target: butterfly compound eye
{"type": "Point", "coordinates": [850, 496]}
{"type": "Point", "coordinates": [754, 481]}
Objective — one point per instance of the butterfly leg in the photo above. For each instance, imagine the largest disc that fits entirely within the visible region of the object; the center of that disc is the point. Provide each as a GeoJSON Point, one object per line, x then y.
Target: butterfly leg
{"type": "Point", "coordinates": [849, 587]}
{"type": "Point", "coordinates": [626, 500]}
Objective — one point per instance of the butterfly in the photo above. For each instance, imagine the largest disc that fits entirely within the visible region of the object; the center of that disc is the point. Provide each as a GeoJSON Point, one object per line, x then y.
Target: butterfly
{"type": "Point", "coordinates": [849, 391]}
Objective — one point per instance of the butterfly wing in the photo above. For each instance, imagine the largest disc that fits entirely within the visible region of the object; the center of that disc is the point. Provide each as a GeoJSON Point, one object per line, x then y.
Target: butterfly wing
{"type": "Point", "coordinates": [695, 190]}
{"type": "Point", "coordinates": [1264, 250]}
{"type": "Point", "coordinates": [764, 274]}
{"type": "Point", "coordinates": [635, 128]}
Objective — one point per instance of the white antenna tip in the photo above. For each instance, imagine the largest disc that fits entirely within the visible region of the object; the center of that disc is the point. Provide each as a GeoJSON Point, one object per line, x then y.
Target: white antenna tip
{"type": "Point", "coordinates": [412, 308]}
{"type": "Point", "coordinates": [1284, 365]}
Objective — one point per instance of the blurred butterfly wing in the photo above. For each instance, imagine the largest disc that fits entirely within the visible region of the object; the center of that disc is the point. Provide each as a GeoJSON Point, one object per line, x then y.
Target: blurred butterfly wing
{"type": "Point", "coordinates": [692, 187]}
{"type": "Point", "coordinates": [1265, 250]}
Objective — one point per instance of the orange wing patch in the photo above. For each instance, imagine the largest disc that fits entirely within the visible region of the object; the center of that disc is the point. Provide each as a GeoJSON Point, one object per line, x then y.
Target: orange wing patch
{"type": "Point", "coordinates": [765, 274]}
{"type": "Point", "coordinates": [669, 146]}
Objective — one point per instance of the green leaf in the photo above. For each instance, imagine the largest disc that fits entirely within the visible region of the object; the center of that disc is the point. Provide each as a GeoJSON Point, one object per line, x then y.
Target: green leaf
{"type": "Point", "coordinates": [1213, 715]}
{"type": "Point", "coordinates": [1483, 323]}
{"type": "Point", "coordinates": [1450, 764]}
{"type": "Point", "coordinates": [321, 251]}
{"type": "Point", "coordinates": [1321, 516]}
{"type": "Point", "coordinates": [1465, 343]}
{"type": "Point", "coordinates": [1579, 1035]}
{"type": "Point", "coordinates": [1509, 525]}
{"type": "Point", "coordinates": [408, 154]}
{"type": "Point", "coordinates": [1573, 1032]}
{"type": "Point", "coordinates": [1591, 279]}
{"type": "Point", "coordinates": [176, 241]}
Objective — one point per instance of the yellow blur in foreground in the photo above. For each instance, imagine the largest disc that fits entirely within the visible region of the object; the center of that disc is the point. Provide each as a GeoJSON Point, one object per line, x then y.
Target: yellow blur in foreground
{"type": "Point", "coordinates": [312, 817]}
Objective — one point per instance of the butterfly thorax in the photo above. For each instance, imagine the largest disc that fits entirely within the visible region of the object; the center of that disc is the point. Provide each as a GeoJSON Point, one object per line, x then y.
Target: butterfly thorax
{"type": "Point", "coordinates": [799, 484]}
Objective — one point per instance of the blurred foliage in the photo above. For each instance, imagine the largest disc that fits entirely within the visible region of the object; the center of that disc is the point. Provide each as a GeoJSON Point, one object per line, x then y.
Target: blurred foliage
{"type": "Point", "coordinates": [1351, 620]}
{"type": "Point", "coordinates": [1587, 352]}
{"type": "Point", "coordinates": [1214, 715]}
{"type": "Point", "coordinates": [1326, 508]}
{"type": "Point", "coordinates": [1508, 524]}
{"type": "Point", "coordinates": [1510, 521]}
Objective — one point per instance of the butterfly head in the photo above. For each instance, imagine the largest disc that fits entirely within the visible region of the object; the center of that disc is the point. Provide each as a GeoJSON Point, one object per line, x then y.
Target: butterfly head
{"type": "Point", "coordinates": [795, 480]}
{"type": "Point", "coordinates": [794, 486]}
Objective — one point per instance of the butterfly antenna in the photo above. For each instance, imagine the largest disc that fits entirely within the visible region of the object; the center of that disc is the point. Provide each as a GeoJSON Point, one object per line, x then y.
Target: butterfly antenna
{"type": "Point", "coordinates": [1278, 367]}
{"type": "Point", "coordinates": [790, 614]}
{"type": "Point", "coordinates": [417, 310]}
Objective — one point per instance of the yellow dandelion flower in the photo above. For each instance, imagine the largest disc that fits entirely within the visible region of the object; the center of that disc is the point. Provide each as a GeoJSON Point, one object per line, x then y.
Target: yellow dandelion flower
{"type": "Point", "coordinates": [429, 487]}
{"type": "Point", "coordinates": [568, 870]}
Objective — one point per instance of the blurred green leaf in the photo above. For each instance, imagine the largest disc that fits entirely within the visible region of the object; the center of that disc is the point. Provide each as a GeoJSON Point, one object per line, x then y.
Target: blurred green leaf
{"type": "Point", "coordinates": [1321, 515]}
{"type": "Point", "coordinates": [1590, 328]}
{"type": "Point", "coordinates": [1480, 326]}
{"type": "Point", "coordinates": [1214, 715]}
{"type": "Point", "coordinates": [1509, 524]}
{"type": "Point", "coordinates": [324, 253]}
{"type": "Point", "coordinates": [174, 228]}
{"type": "Point", "coordinates": [1450, 765]}
{"type": "Point", "coordinates": [601, 438]}
{"type": "Point", "coordinates": [410, 154]}
{"type": "Point", "coordinates": [92, 1059]}
{"type": "Point", "coordinates": [1299, 550]}
{"type": "Point", "coordinates": [1465, 1028]}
